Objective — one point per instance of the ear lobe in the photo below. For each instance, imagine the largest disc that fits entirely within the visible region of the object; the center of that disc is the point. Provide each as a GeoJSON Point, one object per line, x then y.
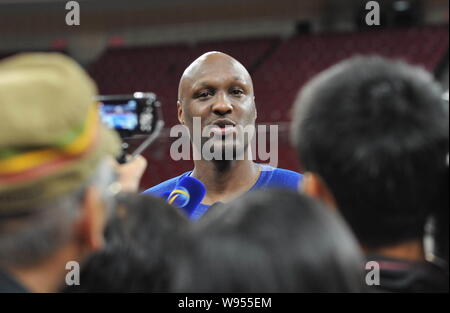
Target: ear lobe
{"type": "Point", "coordinates": [307, 185]}
{"type": "Point", "coordinates": [314, 186]}
{"type": "Point", "coordinates": [180, 112]}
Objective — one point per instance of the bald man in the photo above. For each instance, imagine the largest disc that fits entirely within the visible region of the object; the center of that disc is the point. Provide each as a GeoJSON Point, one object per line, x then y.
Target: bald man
{"type": "Point", "coordinates": [219, 90]}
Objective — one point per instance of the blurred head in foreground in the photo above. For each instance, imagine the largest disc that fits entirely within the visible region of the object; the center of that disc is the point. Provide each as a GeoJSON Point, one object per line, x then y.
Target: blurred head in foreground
{"type": "Point", "coordinates": [270, 241]}
{"type": "Point", "coordinates": [56, 179]}
{"type": "Point", "coordinates": [372, 137]}
{"type": "Point", "coordinates": [135, 256]}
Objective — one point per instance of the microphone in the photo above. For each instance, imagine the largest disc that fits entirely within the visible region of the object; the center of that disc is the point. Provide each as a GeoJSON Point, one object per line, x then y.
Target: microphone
{"type": "Point", "coordinates": [187, 195]}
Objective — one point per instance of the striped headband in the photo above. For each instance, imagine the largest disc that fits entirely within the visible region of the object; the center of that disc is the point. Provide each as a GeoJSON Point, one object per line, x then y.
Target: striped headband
{"type": "Point", "coordinates": [19, 165]}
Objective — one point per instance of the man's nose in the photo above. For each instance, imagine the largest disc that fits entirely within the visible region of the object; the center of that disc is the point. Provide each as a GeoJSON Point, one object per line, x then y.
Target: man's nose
{"type": "Point", "coordinates": [222, 105]}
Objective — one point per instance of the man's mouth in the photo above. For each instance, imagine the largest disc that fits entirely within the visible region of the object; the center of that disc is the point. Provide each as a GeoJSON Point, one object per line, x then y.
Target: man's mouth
{"type": "Point", "coordinates": [223, 127]}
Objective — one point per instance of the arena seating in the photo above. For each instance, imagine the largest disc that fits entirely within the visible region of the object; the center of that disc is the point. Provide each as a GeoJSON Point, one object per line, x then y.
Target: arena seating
{"type": "Point", "coordinates": [296, 60]}
{"type": "Point", "coordinates": [159, 69]}
{"type": "Point", "coordinates": [278, 67]}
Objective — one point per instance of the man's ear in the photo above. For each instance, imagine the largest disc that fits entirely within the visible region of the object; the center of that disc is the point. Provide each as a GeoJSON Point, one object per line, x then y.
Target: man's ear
{"type": "Point", "coordinates": [92, 220]}
{"type": "Point", "coordinates": [314, 186]}
{"type": "Point", "coordinates": [256, 111]}
{"type": "Point", "coordinates": [180, 112]}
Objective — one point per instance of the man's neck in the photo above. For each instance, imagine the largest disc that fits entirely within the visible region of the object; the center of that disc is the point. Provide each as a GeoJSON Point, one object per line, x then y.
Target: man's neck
{"type": "Point", "coordinates": [411, 251]}
{"type": "Point", "coordinates": [226, 180]}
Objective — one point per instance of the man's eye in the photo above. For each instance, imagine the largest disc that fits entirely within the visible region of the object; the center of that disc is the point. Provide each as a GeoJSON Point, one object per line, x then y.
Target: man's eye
{"type": "Point", "coordinates": [237, 92]}
{"type": "Point", "coordinates": [204, 94]}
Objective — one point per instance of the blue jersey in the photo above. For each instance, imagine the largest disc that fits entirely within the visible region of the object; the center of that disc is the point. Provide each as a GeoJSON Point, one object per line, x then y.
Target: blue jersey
{"type": "Point", "coordinates": [270, 177]}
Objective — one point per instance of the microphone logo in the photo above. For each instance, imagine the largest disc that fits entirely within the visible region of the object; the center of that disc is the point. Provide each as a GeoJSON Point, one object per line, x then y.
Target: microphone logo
{"type": "Point", "coordinates": [179, 197]}
{"type": "Point", "coordinates": [187, 195]}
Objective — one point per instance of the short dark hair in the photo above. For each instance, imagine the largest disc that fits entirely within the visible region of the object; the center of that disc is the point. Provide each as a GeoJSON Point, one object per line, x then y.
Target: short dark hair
{"type": "Point", "coordinates": [376, 131]}
{"type": "Point", "coordinates": [270, 241]}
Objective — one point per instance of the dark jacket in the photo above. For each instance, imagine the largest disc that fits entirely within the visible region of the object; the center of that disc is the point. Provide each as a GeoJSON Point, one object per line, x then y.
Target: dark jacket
{"type": "Point", "coordinates": [397, 275]}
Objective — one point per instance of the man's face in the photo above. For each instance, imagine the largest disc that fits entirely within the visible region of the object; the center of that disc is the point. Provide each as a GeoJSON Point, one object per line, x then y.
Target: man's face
{"type": "Point", "coordinates": [219, 91]}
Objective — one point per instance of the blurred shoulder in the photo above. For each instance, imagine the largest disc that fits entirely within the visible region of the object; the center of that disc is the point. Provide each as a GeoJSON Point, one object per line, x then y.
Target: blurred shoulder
{"type": "Point", "coordinates": [161, 189]}
{"type": "Point", "coordinates": [281, 177]}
